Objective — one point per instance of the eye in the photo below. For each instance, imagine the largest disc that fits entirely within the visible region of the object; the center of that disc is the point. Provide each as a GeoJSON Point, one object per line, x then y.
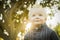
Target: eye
{"type": "Point", "coordinates": [40, 15]}
{"type": "Point", "coordinates": [33, 15]}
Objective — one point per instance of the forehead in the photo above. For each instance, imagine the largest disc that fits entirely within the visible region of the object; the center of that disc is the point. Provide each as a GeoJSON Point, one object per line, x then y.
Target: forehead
{"type": "Point", "coordinates": [37, 11]}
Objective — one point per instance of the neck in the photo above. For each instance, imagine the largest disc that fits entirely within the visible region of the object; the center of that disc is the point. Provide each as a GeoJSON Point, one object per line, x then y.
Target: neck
{"type": "Point", "coordinates": [35, 26]}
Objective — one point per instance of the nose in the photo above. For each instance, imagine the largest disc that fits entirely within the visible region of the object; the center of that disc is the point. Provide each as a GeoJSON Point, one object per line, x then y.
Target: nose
{"type": "Point", "coordinates": [37, 17]}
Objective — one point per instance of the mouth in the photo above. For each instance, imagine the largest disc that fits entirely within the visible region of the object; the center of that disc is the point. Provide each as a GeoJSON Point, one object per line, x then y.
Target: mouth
{"type": "Point", "coordinates": [37, 20]}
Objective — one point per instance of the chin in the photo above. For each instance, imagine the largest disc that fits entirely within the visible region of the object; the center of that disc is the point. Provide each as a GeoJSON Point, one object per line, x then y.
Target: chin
{"type": "Point", "coordinates": [37, 23]}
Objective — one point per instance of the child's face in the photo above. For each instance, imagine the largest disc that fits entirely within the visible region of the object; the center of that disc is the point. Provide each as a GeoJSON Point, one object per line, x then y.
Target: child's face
{"type": "Point", "coordinates": [37, 16]}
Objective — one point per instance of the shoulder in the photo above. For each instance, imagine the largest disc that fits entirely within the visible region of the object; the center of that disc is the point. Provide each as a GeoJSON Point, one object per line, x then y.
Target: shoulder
{"type": "Point", "coordinates": [46, 28]}
{"type": "Point", "coordinates": [48, 31]}
{"type": "Point", "coordinates": [51, 32]}
{"type": "Point", "coordinates": [54, 36]}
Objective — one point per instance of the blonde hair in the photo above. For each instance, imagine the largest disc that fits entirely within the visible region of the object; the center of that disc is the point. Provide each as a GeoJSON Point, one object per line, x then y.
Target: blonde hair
{"type": "Point", "coordinates": [37, 8]}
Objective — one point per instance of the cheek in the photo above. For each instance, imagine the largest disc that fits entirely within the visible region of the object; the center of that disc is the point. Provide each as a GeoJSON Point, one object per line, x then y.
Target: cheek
{"type": "Point", "coordinates": [43, 20]}
{"type": "Point", "coordinates": [31, 19]}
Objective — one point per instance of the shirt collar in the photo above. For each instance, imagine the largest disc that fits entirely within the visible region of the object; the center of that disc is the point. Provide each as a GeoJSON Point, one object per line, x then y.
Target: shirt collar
{"type": "Point", "coordinates": [40, 28]}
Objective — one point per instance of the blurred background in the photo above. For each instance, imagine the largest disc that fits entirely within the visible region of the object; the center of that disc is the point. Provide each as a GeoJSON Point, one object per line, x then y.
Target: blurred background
{"type": "Point", "coordinates": [14, 15]}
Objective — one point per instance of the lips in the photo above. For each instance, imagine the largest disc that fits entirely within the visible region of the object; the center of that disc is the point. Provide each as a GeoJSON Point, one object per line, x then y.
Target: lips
{"type": "Point", "coordinates": [37, 20]}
